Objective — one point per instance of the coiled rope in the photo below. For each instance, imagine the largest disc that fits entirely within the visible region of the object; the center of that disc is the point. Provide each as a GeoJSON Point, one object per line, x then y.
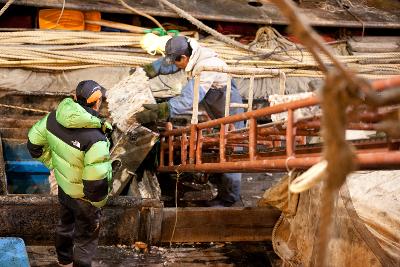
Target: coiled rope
{"type": "Point", "coordinates": [67, 50]}
{"type": "Point", "coordinates": [6, 6]}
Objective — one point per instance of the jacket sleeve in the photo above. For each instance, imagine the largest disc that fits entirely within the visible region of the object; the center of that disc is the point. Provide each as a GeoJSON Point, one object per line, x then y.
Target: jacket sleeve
{"type": "Point", "coordinates": [159, 67]}
{"type": "Point", "coordinates": [97, 173]}
{"type": "Point", "coordinates": [183, 103]}
{"type": "Point", "coordinates": [37, 143]}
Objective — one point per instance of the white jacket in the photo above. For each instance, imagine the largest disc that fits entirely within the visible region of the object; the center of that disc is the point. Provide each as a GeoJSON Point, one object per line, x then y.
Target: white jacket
{"type": "Point", "coordinates": [203, 56]}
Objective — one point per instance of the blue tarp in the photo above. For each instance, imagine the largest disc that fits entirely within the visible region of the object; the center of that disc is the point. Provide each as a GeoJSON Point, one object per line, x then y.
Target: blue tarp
{"type": "Point", "coordinates": [24, 174]}
{"type": "Point", "coordinates": [13, 252]}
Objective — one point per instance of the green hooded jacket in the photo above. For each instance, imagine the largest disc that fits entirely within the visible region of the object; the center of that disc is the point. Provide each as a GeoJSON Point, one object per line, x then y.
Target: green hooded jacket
{"type": "Point", "coordinates": [70, 141]}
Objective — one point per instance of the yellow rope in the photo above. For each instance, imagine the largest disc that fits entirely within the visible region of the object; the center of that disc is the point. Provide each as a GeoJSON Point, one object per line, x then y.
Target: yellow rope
{"type": "Point", "coordinates": [22, 108]}
{"type": "Point", "coordinates": [178, 174]}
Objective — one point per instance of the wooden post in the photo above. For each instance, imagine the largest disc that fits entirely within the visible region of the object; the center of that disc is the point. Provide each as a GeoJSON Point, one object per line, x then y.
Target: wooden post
{"type": "Point", "coordinates": [228, 95]}
{"type": "Point", "coordinates": [251, 94]}
{"type": "Point", "coordinates": [282, 83]}
{"type": "Point", "coordinates": [250, 97]}
{"type": "Point", "coordinates": [3, 178]}
{"type": "Point", "coordinates": [195, 114]}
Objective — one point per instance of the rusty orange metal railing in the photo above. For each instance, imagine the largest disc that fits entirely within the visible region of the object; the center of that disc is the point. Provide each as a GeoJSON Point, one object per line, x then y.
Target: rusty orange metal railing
{"type": "Point", "coordinates": [196, 148]}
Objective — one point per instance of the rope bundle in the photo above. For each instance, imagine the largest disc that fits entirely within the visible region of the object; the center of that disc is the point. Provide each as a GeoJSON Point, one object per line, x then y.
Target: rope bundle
{"type": "Point", "coordinates": [65, 50]}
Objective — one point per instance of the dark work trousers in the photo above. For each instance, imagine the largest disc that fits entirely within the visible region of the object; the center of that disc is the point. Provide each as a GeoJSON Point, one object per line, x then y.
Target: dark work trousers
{"type": "Point", "coordinates": [228, 184]}
{"type": "Point", "coordinates": [77, 232]}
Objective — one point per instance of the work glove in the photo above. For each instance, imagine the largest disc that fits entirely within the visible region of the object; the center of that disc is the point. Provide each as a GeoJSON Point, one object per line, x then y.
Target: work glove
{"type": "Point", "coordinates": [150, 71]}
{"type": "Point", "coordinates": [153, 113]}
{"type": "Point", "coordinates": [106, 127]}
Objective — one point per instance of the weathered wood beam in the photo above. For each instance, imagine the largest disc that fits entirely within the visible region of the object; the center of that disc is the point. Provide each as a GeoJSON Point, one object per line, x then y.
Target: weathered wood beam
{"type": "Point", "coordinates": [242, 11]}
{"type": "Point", "coordinates": [125, 220]}
{"type": "Point", "coordinates": [17, 133]}
{"type": "Point", "coordinates": [219, 224]}
{"type": "Point", "coordinates": [382, 46]}
{"type": "Point", "coordinates": [129, 150]}
{"type": "Point", "coordinates": [34, 218]}
{"type": "Point", "coordinates": [3, 178]}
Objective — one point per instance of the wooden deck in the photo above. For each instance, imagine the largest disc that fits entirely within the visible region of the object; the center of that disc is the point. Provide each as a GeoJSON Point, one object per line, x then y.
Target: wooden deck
{"type": "Point", "coordinates": [193, 255]}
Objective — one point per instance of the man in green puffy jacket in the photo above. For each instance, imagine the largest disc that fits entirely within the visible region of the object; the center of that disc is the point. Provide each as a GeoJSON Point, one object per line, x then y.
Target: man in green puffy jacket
{"type": "Point", "coordinates": [71, 141]}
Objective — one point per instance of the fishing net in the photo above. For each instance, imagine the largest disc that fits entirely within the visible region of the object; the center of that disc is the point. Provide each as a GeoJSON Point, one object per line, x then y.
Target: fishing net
{"type": "Point", "coordinates": [126, 98]}
{"type": "Point", "coordinates": [366, 219]}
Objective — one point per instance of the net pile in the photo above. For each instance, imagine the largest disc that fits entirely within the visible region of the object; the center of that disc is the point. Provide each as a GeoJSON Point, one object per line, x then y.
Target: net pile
{"type": "Point", "coordinates": [127, 97]}
{"type": "Point", "coordinates": [300, 113]}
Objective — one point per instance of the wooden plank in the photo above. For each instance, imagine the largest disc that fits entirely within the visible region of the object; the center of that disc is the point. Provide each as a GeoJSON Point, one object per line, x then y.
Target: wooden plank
{"type": "Point", "coordinates": [219, 224]}
{"type": "Point", "coordinates": [34, 218]}
{"type": "Point", "coordinates": [376, 39]}
{"type": "Point", "coordinates": [129, 150]}
{"type": "Point", "coordinates": [184, 255]}
{"type": "Point", "coordinates": [17, 133]}
{"type": "Point", "coordinates": [379, 16]}
{"type": "Point", "coordinates": [3, 177]}
{"type": "Point", "coordinates": [150, 225]}
{"type": "Point", "coordinates": [382, 46]}
{"type": "Point", "coordinates": [17, 122]}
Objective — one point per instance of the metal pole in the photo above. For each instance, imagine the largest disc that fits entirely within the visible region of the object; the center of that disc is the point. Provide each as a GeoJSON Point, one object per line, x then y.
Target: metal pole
{"type": "Point", "coordinates": [290, 134]}
{"type": "Point", "coordinates": [199, 146]}
{"type": "Point", "coordinates": [170, 146]}
{"type": "Point", "coordinates": [253, 139]}
{"type": "Point", "coordinates": [222, 157]}
{"type": "Point", "coordinates": [192, 143]}
{"type": "Point", "coordinates": [184, 148]}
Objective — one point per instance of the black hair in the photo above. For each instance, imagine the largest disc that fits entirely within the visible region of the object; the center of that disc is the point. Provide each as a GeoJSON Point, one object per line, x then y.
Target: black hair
{"type": "Point", "coordinates": [187, 53]}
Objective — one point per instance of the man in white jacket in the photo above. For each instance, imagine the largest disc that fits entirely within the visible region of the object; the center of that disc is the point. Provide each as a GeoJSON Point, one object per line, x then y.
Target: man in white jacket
{"type": "Point", "coordinates": [185, 53]}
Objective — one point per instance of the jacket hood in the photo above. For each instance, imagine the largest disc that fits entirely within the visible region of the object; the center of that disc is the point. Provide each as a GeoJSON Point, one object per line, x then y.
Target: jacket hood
{"type": "Point", "coordinates": [72, 115]}
{"type": "Point", "coordinates": [199, 53]}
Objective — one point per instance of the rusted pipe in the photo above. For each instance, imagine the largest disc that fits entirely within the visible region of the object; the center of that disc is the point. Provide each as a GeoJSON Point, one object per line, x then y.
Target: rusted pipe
{"type": "Point", "coordinates": [177, 131]}
{"type": "Point", "coordinates": [192, 143]}
{"type": "Point", "coordinates": [252, 139]}
{"type": "Point", "coordinates": [380, 85]}
{"type": "Point", "coordinates": [170, 146]}
{"type": "Point", "coordinates": [222, 157]}
{"type": "Point", "coordinates": [162, 145]}
{"type": "Point", "coordinates": [184, 148]}
{"type": "Point", "coordinates": [235, 139]}
{"type": "Point", "coordinates": [290, 134]}
{"type": "Point", "coordinates": [199, 150]}
{"type": "Point", "coordinates": [364, 160]}
{"type": "Point", "coordinates": [351, 126]}
{"type": "Point", "coordinates": [260, 112]}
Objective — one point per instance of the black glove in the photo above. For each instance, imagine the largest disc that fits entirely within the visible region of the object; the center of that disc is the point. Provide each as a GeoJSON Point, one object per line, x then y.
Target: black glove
{"type": "Point", "coordinates": [153, 112]}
